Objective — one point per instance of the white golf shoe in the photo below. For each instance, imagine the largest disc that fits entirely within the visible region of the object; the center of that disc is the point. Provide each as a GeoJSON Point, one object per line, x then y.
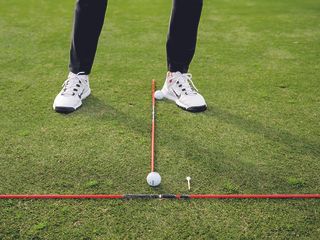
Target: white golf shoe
{"type": "Point", "coordinates": [179, 88]}
{"type": "Point", "coordinates": [75, 89]}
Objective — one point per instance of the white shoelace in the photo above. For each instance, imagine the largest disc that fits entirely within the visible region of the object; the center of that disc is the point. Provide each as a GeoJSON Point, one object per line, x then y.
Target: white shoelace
{"type": "Point", "coordinates": [73, 85]}
{"type": "Point", "coordinates": [186, 84]}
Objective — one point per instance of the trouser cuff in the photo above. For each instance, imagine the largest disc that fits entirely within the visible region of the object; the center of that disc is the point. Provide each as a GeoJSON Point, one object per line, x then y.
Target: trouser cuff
{"type": "Point", "coordinates": [76, 70]}
{"type": "Point", "coordinates": [178, 68]}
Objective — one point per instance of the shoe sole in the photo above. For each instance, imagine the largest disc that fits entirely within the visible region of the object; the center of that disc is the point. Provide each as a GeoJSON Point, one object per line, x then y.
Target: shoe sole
{"type": "Point", "coordinates": [66, 110]}
{"type": "Point", "coordinates": [194, 109]}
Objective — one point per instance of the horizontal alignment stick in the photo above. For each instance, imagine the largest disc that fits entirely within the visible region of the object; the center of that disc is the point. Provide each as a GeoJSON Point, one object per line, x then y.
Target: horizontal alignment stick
{"type": "Point", "coordinates": [266, 196]}
{"type": "Point", "coordinates": [158, 196]}
{"type": "Point", "coordinates": [60, 196]}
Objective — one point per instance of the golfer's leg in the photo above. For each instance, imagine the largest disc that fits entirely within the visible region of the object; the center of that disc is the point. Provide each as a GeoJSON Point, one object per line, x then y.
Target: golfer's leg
{"type": "Point", "coordinates": [88, 22]}
{"type": "Point", "coordinates": [182, 36]}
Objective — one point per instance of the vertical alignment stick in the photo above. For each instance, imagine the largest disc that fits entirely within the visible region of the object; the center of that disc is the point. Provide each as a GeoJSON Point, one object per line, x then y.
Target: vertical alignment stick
{"type": "Point", "coordinates": [153, 125]}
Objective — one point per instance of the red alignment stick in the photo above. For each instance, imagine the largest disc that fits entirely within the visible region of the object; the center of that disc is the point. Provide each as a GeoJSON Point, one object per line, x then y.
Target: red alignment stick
{"type": "Point", "coordinates": [61, 196]}
{"type": "Point", "coordinates": [248, 196]}
{"type": "Point", "coordinates": [153, 124]}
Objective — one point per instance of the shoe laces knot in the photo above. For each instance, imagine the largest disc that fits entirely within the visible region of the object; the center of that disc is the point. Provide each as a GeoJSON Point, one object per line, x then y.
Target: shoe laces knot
{"type": "Point", "coordinates": [73, 85]}
{"type": "Point", "coordinates": [185, 82]}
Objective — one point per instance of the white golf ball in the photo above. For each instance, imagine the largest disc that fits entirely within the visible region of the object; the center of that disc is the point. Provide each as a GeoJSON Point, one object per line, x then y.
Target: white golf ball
{"type": "Point", "coordinates": [158, 95]}
{"type": "Point", "coordinates": [154, 179]}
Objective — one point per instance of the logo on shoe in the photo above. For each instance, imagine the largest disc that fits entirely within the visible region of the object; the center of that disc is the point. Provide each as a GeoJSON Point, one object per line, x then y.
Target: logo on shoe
{"type": "Point", "coordinates": [80, 95]}
{"type": "Point", "coordinates": [175, 93]}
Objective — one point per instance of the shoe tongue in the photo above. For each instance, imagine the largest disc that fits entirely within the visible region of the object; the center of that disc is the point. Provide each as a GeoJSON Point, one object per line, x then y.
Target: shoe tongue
{"type": "Point", "coordinates": [71, 74]}
{"type": "Point", "coordinates": [176, 74]}
{"type": "Point", "coordinates": [173, 74]}
{"type": "Point", "coordinates": [81, 77]}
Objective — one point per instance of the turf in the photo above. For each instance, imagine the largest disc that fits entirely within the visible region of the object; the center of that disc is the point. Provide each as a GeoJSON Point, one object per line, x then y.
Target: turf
{"type": "Point", "coordinates": [257, 64]}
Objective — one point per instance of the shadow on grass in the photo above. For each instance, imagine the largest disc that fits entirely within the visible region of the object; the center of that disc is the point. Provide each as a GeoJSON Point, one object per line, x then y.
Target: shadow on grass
{"type": "Point", "coordinates": [208, 159]}
{"type": "Point", "coordinates": [296, 144]}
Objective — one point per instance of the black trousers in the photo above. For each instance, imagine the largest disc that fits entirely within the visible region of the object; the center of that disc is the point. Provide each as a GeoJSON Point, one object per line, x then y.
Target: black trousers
{"type": "Point", "coordinates": [181, 40]}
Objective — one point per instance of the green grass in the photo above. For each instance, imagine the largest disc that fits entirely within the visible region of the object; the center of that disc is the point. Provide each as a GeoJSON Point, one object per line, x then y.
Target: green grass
{"type": "Point", "coordinates": [257, 64]}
